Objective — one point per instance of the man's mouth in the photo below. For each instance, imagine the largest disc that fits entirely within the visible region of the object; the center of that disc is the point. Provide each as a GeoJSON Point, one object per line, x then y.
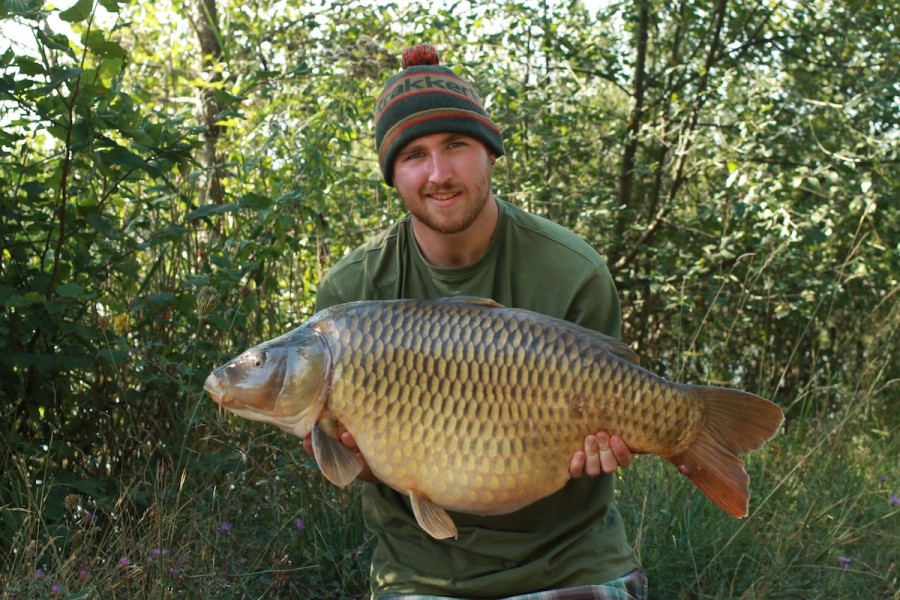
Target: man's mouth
{"type": "Point", "coordinates": [442, 197]}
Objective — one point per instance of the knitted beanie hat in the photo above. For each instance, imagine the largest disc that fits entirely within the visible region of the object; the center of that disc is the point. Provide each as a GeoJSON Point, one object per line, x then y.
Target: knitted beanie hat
{"type": "Point", "coordinates": [425, 98]}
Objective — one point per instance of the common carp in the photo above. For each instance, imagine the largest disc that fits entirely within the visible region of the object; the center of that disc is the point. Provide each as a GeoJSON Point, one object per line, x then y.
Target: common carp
{"type": "Point", "coordinates": [464, 405]}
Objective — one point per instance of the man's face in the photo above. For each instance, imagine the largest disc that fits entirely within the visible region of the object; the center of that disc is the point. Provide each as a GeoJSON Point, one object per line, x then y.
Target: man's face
{"type": "Point", "coordinates": [444, 180]}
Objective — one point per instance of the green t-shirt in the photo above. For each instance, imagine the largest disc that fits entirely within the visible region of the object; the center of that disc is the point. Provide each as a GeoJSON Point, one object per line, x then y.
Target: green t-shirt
{"type": "Point", "coordinates": [573, 537]}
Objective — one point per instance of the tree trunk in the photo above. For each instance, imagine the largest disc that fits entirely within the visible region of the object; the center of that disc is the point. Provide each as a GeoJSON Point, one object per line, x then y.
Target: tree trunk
{"type": "Point", "coordinates": [204, 19]}
{"type": "Point", "coordinates": [626, 175]}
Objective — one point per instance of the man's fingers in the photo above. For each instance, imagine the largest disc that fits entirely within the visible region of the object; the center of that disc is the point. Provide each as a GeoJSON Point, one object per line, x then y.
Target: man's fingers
{"type": "Point", "coordinates": [621, 451]}
{"type": "Point", "coordinates": [607, 460]}
{"type": "Point", "coordinates": [576, 467]}
{"type": "Point", "coordinates": [592, 463]}
{"type": "Point", "coordinates": [346, 438]}
{"type": "Point", "coordinates": [348, 441]}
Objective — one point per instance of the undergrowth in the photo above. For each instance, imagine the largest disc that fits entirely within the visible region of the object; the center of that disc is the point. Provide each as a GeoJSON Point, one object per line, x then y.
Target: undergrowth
{"type": "Point", "coordinates": [240, 511]}
{"type": "Point", "coordinates": [247, 515]}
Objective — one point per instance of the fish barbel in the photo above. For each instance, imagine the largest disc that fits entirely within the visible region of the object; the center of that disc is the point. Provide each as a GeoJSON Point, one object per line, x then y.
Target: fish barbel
{"type": "Point", "coordinates": [464, 405]}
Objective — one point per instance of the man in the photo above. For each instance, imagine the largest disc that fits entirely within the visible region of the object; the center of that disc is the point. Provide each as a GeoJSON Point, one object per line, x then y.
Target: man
{"type": "Point", "coordinates": [438, 147]}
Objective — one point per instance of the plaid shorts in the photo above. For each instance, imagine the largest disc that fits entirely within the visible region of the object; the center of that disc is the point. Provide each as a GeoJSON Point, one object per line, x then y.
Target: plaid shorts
{"type": "Point", "coordinates": [631, 586]}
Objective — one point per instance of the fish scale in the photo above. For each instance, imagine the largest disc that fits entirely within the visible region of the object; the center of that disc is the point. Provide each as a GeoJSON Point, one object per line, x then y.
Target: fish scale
{"type": "Point", "coordinates": [467, 406]}
{"type": "Point", "coordinates": [511, 363]}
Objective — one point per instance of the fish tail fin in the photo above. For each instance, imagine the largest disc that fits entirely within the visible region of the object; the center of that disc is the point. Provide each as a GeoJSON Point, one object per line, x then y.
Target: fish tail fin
{"type": "Point", "coordinates": [735, 423]}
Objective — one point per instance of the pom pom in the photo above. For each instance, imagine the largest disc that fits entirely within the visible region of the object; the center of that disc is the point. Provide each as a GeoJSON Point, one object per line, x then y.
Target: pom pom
{"type": "Point", "coordinates": [421, 54]}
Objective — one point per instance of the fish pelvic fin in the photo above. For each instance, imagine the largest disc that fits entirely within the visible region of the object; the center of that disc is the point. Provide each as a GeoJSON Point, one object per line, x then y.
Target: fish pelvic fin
{"type": "Point", "coordinates": [339, 465]}
{"type": "Point", "coordinates": [735, 423]}
{"type": "Point", "coordinates": [431, 517]}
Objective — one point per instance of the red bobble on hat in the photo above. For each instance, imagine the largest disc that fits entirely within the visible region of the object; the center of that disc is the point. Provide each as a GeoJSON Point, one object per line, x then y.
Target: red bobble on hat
{"type": "Point", "coordinates": [420, 54]}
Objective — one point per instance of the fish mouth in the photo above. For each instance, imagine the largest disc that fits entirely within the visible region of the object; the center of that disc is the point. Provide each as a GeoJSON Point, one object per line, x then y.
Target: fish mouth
{"type": "Point", "coordinates": [212, 387]}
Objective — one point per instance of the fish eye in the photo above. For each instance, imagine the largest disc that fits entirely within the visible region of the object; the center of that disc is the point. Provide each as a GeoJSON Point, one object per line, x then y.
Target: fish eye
{"type": "Point", "coordinates": [260, 359]}
{"type": "Point", "coordinates": [257, 358]}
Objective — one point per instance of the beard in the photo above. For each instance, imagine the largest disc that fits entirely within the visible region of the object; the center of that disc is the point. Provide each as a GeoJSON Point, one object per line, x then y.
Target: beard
{"type": "Point", "coordinates": [458, 217]}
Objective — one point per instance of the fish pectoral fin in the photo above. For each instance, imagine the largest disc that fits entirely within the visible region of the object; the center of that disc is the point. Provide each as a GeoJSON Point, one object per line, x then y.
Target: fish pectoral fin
{"type": "Point", "coordinates": [472, 300]}
{"type": "Point", "coordinates": [338, 464]}
{"type": "Point", "coordinates": [431, 517]}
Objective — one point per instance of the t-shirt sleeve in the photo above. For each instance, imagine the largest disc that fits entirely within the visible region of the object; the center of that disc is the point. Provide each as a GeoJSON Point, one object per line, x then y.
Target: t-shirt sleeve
{"type": "Point", "coordinates": [596, 304]}
{"type": "Point", "coordinates": [327, 294]}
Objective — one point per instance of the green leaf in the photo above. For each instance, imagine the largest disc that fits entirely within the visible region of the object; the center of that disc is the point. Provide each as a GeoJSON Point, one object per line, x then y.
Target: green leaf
{"type": "Point", "coordinates": [160, 298]}
{"type": "Point", "coordinates": [96, 41]}
{"type": "Point", "coordinates": [124, 157]}
{"type": "Point", "coordinates": [57, 41]}
{"type": "Point", "coordinates": [212, 209]}
{"type": "Point", "coordinates": [15, 301]}
{"type": "Point", "coordinates": [29, 66]}
{"type": "Point", "coordinates": [814, 236]}
{"type": "Point", "coordinates": [21, 8]}
{"type": "Point", "coordinates": [111, 5]}
{"type": "Point", "coordinates": [70, 290]}
{"type": "Point", "coordinates": [80, 11]}
{"type": "Point", "coordinates": [94, 89]}
{"type": "Point", "coordinates": [113, 356]}
{"type": "Point", "coordinates": [226, 98]}
{"type": "Point", "coordinates": [90, 486]}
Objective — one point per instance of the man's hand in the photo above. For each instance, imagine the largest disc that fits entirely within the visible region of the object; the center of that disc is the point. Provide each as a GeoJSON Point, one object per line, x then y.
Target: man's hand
{"type": "Point", "coordinates": [602, 454]}
{"type": "Point", "coordinates": [347, 440]}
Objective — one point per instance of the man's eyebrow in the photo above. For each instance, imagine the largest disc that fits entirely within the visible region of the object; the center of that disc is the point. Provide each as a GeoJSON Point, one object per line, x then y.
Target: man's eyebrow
{"type": "Point", "coordinates": [450, 137]}
{"type": "Point", "coordinates": [413, 147]}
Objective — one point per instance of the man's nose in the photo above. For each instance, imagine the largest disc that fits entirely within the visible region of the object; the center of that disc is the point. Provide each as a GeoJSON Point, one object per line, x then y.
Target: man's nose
{"type": "Point", "coordinates": [440, 168]}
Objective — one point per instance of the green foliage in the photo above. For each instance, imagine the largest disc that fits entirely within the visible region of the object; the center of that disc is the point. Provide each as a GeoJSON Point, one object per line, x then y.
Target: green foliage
{"type": "Point", "coordinates": [227, 526]}
{"type": "Point", "coordinates": [164, 206]}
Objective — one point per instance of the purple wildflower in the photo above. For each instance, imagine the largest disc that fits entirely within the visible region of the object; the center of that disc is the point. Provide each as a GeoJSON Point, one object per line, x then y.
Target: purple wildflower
{"type": "Point", "coordinates": [894, 499]}
{"type": "Point", "coordinates": [40, 574]}
{"type": "Point", "coordinates": [83, 574]}
{"type": "Point", "coordinates": [225, 527]}
{"type": "Point", "coordinates": [55, 589]}
{"type": "Point", "coordinates": [883, 478]}
{"type": "Point", "coordinates": [845, 561]}
{"type": "Point", "coordinates": [89, 516]}
{"type": "Point", "coordinates": [158, 553]}
{"type": "Point", "coordinates": [299, 524]}
{"type": "Point", "coordinates": [125, 562]}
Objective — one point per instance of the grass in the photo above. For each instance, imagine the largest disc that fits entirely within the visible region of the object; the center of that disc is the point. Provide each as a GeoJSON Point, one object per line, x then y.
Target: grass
{"type": "Point", "coordinates": [240, 511]}
{"type": "Point", "coordinates": [824, 523]}
{"type": "Point", "coordinates": [270, 528]}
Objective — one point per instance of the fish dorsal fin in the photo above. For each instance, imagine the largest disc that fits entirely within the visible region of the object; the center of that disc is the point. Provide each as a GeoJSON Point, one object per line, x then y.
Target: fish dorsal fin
{"type": "Point", "coordinates": [431, 517]}
{"type": "Point", "coordinates": [477, 300]}
{"type": "Point", "coordinates": [339, 465]}
{"type": "Point", "coordinates": [608, 343]}
{"type": "Point", "coordinates": [617, 347]}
